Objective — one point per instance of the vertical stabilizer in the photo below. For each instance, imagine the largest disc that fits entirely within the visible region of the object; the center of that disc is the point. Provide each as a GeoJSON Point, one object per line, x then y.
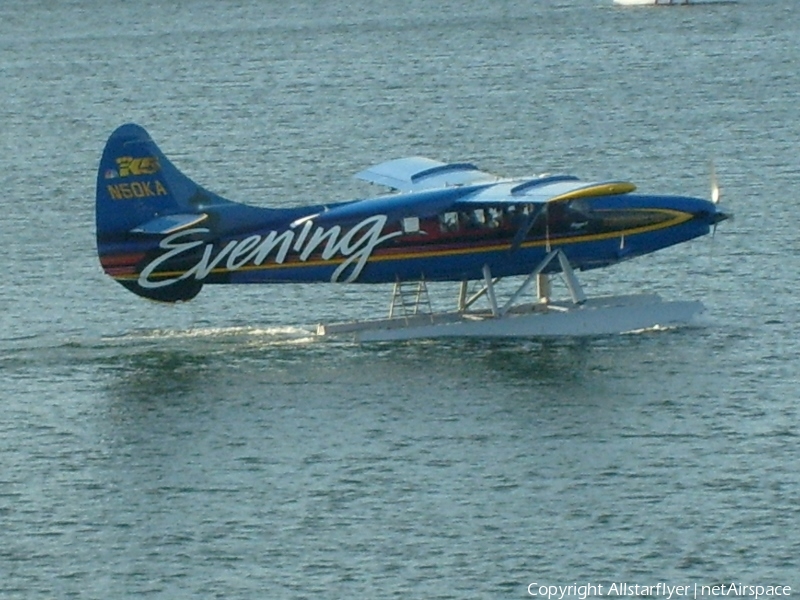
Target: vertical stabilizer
{"type": "Point", "coordinates": [142, 196]}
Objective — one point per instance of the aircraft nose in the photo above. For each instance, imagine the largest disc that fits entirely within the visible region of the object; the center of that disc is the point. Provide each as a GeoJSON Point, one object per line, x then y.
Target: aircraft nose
{"type": "Point", "coordinates": [720, 215]}
{"type": "Point", "coordinates": [712, 213]}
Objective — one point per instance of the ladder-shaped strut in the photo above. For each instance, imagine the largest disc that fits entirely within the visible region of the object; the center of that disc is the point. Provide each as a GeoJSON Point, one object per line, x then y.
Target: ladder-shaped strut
{"type": "Point", "coordinates": [410, 298]}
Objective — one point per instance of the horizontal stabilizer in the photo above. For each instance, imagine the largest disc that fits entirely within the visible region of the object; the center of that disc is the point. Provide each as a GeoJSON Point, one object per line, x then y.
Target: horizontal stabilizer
{"type": "Point", "coordinates": [170, 224]}
{"type": "Point", "coordinates": [416, 173]}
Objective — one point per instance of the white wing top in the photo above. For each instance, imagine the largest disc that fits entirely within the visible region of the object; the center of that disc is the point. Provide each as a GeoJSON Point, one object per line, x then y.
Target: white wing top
{"type": "Point", "coordinates": [417, 173]}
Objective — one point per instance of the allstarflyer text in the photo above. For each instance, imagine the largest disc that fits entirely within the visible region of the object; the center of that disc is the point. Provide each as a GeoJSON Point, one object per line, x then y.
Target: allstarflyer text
{"type": "Point", "coordinates": [658, 590]}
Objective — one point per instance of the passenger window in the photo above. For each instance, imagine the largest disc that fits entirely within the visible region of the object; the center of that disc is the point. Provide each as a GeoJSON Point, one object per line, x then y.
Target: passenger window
{"type": "Point", "coordinates": [448, 222]}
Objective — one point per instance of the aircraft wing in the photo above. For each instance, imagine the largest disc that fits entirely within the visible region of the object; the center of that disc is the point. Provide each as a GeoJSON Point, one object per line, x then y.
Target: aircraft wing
{"type": "Point", "coordinates": [417, 173]}
{"type": "Point", "coordinates": [545, 189]}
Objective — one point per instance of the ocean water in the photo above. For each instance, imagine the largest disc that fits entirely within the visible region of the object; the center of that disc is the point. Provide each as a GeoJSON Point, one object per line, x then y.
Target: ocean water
{"type": "Point", "coordinates": [216, 449]}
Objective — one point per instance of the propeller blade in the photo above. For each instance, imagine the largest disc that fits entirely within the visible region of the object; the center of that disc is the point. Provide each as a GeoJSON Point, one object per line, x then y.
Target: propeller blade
{"type": "Point", "coordinates": [715, 191]}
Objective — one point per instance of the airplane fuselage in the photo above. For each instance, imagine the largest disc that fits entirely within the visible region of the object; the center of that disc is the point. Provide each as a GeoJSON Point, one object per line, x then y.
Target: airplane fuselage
{"type": "Point", "coordinates": [453, 245]}
{"type": "Point", "coordinates": [163, 236]}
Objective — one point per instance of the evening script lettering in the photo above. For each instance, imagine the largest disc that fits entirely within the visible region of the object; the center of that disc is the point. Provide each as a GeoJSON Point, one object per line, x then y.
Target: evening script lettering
{"type": "Point", "coordinates": [355, 246]}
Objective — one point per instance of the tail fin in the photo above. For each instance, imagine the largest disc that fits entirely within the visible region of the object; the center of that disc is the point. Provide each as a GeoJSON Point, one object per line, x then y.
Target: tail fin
{"type": "Point", "coordinates": [142, 196]}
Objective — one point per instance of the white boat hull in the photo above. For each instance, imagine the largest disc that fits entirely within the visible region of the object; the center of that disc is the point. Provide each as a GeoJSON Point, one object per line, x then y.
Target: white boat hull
{"type": "Point", "coordinates": [598, 316]}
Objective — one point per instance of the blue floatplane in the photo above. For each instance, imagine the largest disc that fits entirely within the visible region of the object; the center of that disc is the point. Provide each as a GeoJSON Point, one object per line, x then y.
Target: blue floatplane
{"type": "Point", "coordinates": [164, 237]}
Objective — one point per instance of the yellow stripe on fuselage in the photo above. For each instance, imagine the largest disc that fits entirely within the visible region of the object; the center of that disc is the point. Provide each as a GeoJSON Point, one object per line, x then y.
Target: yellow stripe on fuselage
{"type": "Point", "coordinates": [676, 218]}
